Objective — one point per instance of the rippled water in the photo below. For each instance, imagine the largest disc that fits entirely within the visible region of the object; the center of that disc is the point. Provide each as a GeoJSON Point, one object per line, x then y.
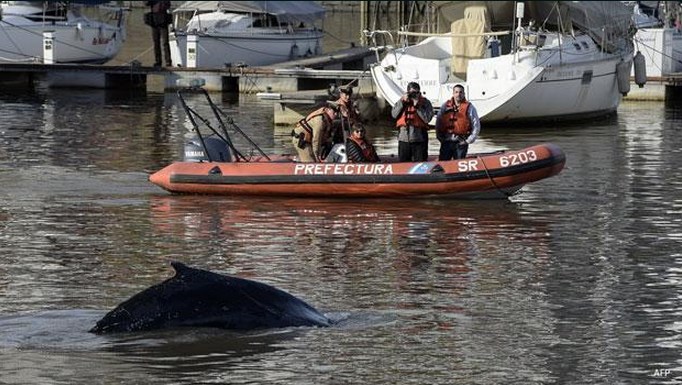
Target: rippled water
{"type": "Point", "coordinates": [576, 280]}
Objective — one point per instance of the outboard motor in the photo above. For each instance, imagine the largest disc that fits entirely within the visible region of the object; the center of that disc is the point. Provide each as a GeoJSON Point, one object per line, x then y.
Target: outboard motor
{"type": "Point", "coordinates": [217, 149]}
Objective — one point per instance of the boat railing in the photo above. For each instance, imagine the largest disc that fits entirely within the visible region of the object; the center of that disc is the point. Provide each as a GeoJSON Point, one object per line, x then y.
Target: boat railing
{"type": "Point", "coordinates": [223, 121]}
{"type": "Point", "coordinates": [450, 34]}
{"type": "Point", "coordinates": [376, 47]}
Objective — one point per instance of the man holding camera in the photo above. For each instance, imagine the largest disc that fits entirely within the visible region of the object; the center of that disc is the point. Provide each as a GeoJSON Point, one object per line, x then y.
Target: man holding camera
{"type": "Point", "coordinates": [457, 125]}
{"type": "Point", "coordinates": [412, 113]}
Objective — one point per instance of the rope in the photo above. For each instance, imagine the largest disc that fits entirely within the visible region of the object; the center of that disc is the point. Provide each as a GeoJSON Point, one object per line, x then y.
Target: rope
{"type": "Point", "coordinates": [639, 41]}
{"type": "Point", "coordinates": [487, 173]}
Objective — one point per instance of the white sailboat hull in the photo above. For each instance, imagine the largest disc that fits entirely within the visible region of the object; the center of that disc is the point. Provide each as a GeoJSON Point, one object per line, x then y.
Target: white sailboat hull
{"type": "Point", "coordinates": [75, 38]}
{"type": "Point", "coordinates": [219, 51]}
{"type": "Point", "coordinates": [237, 33]}
{"type": "Point", "coordinates": [72, 44]}
{"type": "Point", "coordinates": [527, 85]}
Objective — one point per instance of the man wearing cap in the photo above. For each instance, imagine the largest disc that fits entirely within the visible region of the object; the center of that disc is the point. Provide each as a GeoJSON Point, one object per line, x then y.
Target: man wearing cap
{"type": "Point", "coordinates": [457, 125]}
{"type": "Point", "coordinates": [412, 113]}
{"type": "Point", "coordinates": [348, 114]}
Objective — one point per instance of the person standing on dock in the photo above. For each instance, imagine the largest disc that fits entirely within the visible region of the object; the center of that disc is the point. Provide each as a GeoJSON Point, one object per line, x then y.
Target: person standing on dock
{"type": "Point", "coordinates": [412, 113]}
{"type": "Point", "coordinates": [457, 125]}
{"type": "Point", "coordinates": [159, 19]}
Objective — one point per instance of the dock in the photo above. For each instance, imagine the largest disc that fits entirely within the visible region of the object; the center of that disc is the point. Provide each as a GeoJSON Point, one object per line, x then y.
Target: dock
{"type": "Point", "coordinates": [319, 72]}
{"type": "Point", "coordinates": [664, 87]}
{"type": "Point", "coordinates": [294, 86]}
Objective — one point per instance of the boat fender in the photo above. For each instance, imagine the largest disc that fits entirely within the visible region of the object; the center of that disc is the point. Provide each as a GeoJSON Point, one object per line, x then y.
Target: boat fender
{"type": "Point", "coordinates": [294, 53]}
{"type": "Point", "coordinates": [494, 47]}
{"type": "Point", "coordinates": [623, 76]}
{"type": "Point", "coordinates": [640, 69]}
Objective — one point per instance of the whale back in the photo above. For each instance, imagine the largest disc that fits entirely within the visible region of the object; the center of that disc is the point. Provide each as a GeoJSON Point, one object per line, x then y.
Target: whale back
{"type": "Point", "coordinates": [200, 298]}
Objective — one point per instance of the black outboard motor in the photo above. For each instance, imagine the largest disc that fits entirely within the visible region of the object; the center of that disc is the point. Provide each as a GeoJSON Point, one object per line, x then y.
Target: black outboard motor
{"type": "Point", "coordinates": [218, 150]}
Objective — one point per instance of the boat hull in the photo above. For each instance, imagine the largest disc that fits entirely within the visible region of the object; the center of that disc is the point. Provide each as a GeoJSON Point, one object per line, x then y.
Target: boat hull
{"type": "Point", "coordinates": [87, 45]}
{"type": "Point", "coordinates": [530, 85]}
{"type": "Point", "coordinates": [484, 176]}
{"type": "Point", "coordinates": [219, 51]}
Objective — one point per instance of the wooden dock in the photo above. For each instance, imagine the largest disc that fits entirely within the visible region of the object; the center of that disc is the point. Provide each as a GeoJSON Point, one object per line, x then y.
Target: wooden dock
{"type": "Point", "coordinates": [339, 67]}
{"type": "Point", "coordinates": [657, 88]}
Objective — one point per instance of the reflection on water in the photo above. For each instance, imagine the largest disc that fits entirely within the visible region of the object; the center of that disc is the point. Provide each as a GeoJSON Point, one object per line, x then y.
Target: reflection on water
{"type": "Point", "coordinates": [576, 280]}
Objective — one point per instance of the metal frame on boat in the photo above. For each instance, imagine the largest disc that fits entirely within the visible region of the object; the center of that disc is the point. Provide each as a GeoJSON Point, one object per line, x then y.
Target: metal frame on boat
{"type": "Point", "coordinates": [214, 165]}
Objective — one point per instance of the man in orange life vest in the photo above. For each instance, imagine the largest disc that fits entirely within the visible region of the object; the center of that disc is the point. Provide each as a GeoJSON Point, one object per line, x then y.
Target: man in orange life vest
{"type": "Point", "coordinates": [313, 134]}
{"type": "Point", "coordinates": [413, 113]}
{"type": "Point", "coordinates": [457, 125]}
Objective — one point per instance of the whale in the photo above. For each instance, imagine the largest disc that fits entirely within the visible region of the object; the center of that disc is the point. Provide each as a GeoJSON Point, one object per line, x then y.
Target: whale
{"type": "Point", "coordinates": [200, 298]}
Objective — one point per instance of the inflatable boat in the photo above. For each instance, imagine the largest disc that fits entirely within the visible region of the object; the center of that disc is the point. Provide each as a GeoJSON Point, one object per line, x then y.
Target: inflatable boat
{"type": "Point", "coordinates": [213, 165]}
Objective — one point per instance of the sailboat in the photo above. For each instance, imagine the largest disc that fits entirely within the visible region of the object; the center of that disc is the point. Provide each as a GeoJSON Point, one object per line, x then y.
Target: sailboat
{"type": "Point", "coordinates": [74, 38]}
{"type": "Point", "coordinates": [517, 61]}
{"type": "Point", "coordinates": [245, 33]}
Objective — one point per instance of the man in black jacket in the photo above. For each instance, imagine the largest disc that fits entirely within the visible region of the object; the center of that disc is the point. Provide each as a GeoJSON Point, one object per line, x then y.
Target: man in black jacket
{"type": "Point", "coordinates": [159, 19]}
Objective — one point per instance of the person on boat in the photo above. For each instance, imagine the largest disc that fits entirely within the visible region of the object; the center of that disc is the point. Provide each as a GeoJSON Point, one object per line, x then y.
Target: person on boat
{"type": "Point", "coordinates": [348, 117]}
{"type": "Point", "coordinates": [312, 135]}
{"type": "Point", "coordinates": [412, 113]}
{"type": "Point", "coordinates": [159, 19]}
{"type": "Point", "coordinates": [457, 125]}
{"type": "Point", "coordinates": [358, 147]}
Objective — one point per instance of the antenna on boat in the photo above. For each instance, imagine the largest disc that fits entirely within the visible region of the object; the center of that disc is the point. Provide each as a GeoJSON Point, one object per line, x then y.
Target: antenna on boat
{"type": "Point", "coordinates": [519, 17]}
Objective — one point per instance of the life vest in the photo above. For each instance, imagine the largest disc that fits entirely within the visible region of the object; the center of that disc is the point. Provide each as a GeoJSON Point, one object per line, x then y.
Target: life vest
{"type": "Point", "coordinates": [366, 149]}
{"type": "Point", "coordinates": [456, 120]}
{"type": "Point", "coordinates": [326, 111]}
{"type": "Point", "coordinates": [409, 117]}
{"type": "Point", "coordinates": [327, 114]}
{"type": "Point", "coordinates": [350, 110]}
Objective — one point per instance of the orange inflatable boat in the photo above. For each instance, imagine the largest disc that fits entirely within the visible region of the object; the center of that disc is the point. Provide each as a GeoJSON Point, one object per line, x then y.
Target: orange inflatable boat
{"type": "Point", "coordinates": [492, 175]}
{"type": "Point", "coordinates": [225, 171]}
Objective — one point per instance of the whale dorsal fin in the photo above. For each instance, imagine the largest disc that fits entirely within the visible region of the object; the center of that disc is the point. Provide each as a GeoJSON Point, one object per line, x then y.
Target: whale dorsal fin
{"type": "Point", "coordinates": [180, 268]}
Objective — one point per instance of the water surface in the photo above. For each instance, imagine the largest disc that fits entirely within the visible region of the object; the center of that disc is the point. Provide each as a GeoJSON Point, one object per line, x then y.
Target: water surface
{"type": "Point", "coordinates": [576, 280]}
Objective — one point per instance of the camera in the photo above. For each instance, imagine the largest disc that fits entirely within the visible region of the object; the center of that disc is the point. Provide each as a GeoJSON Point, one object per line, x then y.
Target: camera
{"type": "Point", "coordinates": [413, 94]}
